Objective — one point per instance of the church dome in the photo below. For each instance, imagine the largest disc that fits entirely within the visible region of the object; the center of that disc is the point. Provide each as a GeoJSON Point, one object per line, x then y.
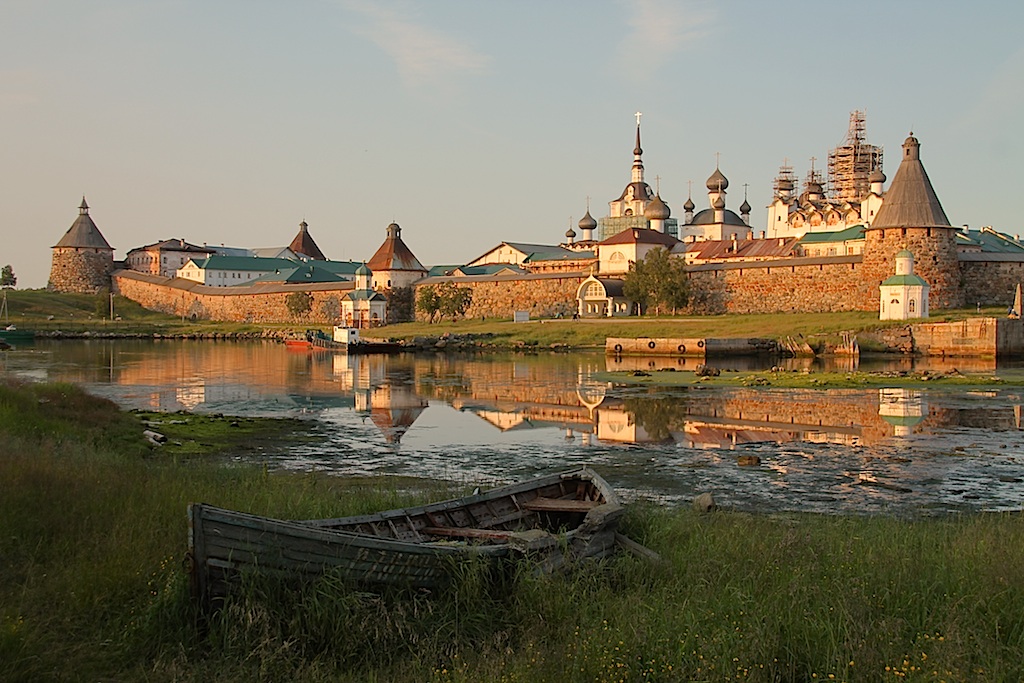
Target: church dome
{"type": "Point", "coordinates": [876, 176]}
{"type": "Point", "coordinates": [718, 181]}
{"type": "Point", "coordinates": [745, 207]}
{"type": "Point", "coordinates": [587, 222]}
{"type": "Point", "coordinates": [904, 253]}
{"type": "Point", "coordinates": [719, 203]}
{"type": "Point", "coordinates": [570, 233]}
{"type": "Point", "coordinates": [657, 209]}
{"type": "Point", "coordinates": [363, 270]}
{"type": "Point", "coordinates": [689, 205]}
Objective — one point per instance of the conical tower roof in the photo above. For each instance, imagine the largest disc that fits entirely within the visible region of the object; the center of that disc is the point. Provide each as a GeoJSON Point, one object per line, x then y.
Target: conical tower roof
{"type": "Point", "coordinates": [911, 201]}
{"type": "Point", "coordinates": [394, 254]}
{"type": "Point", "coordinates": [303, 244]}
{"type": "Point", "coordinates": [83, 233]}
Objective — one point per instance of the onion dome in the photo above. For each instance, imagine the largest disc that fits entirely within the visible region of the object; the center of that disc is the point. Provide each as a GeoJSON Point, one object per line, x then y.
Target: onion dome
{"type": "Point", "coordinates": [814, 187]}
{"type": "Point", "coordinates": [876, 176]}
{"type": "Point", "coordinates": [587, 222]}
{"type": "Point", "coordinates": [657, 209]}
{"type": "Point", "coordinates": [689, 205]}
{"type": "Point", "coordinates": [718, 181]}
{"type": "Point", "coordinates": [363, 270]}
{"type": "Point", "coordinates": [785, 184]}
{"type": "Point", "coordinates": [570, 233]}
{"type": "Point", "coordinates": [719, 203]}
{"type": "Point", "coordinates": [904, 253]}
{"type": "Point", "coordinates": [744, 207]}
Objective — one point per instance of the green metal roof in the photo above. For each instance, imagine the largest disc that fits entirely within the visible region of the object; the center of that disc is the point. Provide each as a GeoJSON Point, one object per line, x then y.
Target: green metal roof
{"type": "Point", "coordinates": [364, 295]}
{"type": "Point", "coordinates": [340, 267]}
{"type": "Point", "coordinates": [904, 280]}
{"type": "Point", "coordinates": [248, 263]}
{"type": "Point", "coordinates": [990, 241]}
{"type": "Point", "coordinates": [304, 273]}
{"type": "Point", "coordinates": [854, 232]}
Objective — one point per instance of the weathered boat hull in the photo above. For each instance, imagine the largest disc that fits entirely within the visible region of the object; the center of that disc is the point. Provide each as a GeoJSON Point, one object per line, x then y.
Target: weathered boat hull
{"type": "Point", "coordinates": [553, 520]}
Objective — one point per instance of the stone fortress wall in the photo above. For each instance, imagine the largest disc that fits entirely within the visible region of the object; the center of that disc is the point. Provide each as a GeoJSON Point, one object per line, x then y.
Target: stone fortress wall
{"type": "Point", "coordinates": [498, 296]}
{"type": "Point", "coordinates": [82, 271]}
{"type": "Point", "coordinates": [253, 304]}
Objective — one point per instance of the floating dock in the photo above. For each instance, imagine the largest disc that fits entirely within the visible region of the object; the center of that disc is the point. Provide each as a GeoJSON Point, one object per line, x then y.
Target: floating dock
{"type": "Point", "coordinates": [688, 347]}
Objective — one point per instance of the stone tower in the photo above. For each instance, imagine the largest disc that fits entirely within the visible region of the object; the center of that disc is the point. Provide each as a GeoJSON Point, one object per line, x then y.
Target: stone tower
{"type": "Point", "coordinates": [82, 260]}
{"type": "Point", "coordinates": [911, 217]}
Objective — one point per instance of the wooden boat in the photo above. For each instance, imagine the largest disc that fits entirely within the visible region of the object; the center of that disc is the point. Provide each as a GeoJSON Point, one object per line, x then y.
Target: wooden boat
{"type": "Point", "coordinates": [554, 520]}
{"type": "Point", "coordinates": [315, 340]}
{"type": "Point", "coordinates": [16, 337]}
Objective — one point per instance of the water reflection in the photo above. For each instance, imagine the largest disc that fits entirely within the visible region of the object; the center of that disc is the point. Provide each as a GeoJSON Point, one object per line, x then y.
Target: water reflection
{"type": "Point", "coordinates": [505, 416]}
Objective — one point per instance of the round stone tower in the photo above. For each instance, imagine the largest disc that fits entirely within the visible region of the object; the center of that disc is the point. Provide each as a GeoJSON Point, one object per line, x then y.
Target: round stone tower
{"type": "Point", "coordinates": [911, 217]}
{"type": "Point", "coordinates": [83, 260]}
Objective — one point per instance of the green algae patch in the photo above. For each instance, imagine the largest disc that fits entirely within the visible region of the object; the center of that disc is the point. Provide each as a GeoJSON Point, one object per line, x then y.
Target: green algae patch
{"type": "Point", "coordinates": [193, 434]}
{"type": "Point", "coordinates": [808, 380]}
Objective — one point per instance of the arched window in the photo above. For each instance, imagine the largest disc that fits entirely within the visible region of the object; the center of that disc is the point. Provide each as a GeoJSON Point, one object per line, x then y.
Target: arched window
{"type": "Point", "coordinates": [912, 306]}
{"type": "Point", "coordinates": [616, 257]}
{"type": "Point", "coordinates": [595, 290]}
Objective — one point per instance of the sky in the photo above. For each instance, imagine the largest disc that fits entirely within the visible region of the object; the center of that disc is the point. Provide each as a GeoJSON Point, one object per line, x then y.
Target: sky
{"type": "Point", "coordinates": [471, 123]}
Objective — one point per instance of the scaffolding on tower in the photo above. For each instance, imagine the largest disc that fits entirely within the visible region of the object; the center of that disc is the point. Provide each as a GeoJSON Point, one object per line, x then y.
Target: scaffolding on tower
{"type": "Point", "coordinates": [850, 164]}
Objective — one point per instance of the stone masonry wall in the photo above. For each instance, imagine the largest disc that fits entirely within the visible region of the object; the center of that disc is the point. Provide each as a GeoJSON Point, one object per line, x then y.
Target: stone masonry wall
{"type": "Point", "coordinates": [795, 285]}
{"type": "Point", "coordinates": [542, 296]}
{"type": "Point", "coordinates": [241, 304]}
{"type": "Point", "coordinates": [990, 283]}
{"type": "Point", "coordinates": [80, 272]}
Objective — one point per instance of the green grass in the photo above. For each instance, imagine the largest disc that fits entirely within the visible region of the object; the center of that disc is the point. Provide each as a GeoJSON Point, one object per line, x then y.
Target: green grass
{"type": "Point", "coordinates": [43, 310]}
{"type": "Point", "coordinates": [817, 328]}
{"type": "Point", "coordinates": [92, 585]}
{"type": "Point", "coordinates": [190, 434]}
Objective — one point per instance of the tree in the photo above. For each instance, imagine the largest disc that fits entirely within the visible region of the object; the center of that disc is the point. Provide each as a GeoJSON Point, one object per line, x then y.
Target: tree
{"type": "Point", "coordinates": [453, 300]}
{"type": "Point", "coordinates": [7, 277]}
{"type": "Point", "coordinates": [299, 303]}
{"type": "Point", "coordinates": [428, 303]}
{"type": "Point", "coordinates": [659, 280]}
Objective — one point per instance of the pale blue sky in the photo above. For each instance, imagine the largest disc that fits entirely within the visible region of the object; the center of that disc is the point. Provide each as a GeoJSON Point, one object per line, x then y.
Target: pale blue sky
{"type": "Point", "coordinates": [469, 123]}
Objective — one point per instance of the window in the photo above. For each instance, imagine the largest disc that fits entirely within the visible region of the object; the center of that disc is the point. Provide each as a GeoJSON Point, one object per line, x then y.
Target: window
{"type": "Point", "coordinates": [912, 306]}
{"type": "Point", "coordinates": [595, 290]}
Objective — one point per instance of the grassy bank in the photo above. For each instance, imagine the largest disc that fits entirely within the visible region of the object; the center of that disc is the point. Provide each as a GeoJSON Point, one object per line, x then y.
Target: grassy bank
{"type": "Point", "coordinates": [92, 586]}
{"type": "Point", "coordinates": [74, 313]}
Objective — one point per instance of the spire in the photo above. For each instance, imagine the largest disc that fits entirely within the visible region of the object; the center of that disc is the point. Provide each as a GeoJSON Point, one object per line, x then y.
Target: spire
{"type": "Point", "coordinates": [304, 244]}
{"type": "Point", "coordinates": [83, 208]}
{"type": "Point", "coordinates": [911, 201]}
{"type": "Point", "coordinates": [638, 152]}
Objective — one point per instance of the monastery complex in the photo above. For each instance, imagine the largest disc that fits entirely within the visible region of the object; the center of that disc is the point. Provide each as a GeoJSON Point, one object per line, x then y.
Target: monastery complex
{"type": "Point", "coordinates": [843, 242]}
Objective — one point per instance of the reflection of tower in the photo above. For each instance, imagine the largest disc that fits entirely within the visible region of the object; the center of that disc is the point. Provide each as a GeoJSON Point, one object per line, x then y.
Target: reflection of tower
{"type": "Point", "coordinates": [393, 408]}
{"type": "Point", "coordinates": [1016, 415]}
{"type": "Point", "coordinates": [902, 408]}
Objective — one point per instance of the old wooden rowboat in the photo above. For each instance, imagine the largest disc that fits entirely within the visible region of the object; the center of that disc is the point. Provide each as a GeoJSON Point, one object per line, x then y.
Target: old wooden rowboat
{"type": "Point", "coordinates": [554, 520]}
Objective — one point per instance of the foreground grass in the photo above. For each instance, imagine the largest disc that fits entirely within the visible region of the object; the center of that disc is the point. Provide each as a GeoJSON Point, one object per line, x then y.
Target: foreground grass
{"type": "Point", "coordinates": [92, 587]}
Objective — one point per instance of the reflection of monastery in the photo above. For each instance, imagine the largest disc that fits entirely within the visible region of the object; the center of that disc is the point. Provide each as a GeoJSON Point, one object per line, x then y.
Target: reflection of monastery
{"type": "Point", "coordinates": [392, 392]}
{"type": "Point", "coordinates": [828, 244]}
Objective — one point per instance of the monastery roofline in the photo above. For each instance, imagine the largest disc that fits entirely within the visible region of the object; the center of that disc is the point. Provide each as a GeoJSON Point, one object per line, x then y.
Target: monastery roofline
{"type": "Point", "coordinates": [184, 285]}
{"type": "Point", "coordinates": [434, 280]}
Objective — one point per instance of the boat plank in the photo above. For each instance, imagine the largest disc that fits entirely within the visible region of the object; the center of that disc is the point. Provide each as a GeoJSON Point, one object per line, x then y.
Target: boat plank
{"type": "Point", "coordinates": [465, 532]}
{"type": "Point", "coordinates": [540, 504]}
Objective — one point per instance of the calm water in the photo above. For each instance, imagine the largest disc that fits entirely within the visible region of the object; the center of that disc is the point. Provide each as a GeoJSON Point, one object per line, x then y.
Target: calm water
{"type": "Point", "coordinates": [499, 418]}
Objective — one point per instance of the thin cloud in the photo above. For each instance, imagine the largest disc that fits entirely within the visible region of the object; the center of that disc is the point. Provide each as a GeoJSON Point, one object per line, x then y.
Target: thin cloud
{"type": "Point", "coordinates": [420, 52]}
{"type": "Point", "coordinates": [659, 29]}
